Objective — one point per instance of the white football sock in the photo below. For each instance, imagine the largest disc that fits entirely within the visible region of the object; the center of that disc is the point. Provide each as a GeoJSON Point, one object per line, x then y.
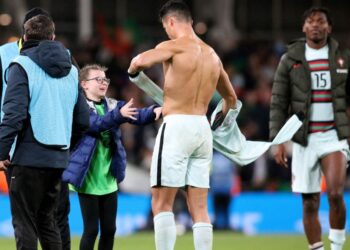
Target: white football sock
{"type": "Point", "coordinates": [164, 231]}
{"type": "Point", "coordinates": [203, 236]}
{"type": "Point", "coordinates": [317, 246]}
{"type": "Point", "coordinates": [337, 238]}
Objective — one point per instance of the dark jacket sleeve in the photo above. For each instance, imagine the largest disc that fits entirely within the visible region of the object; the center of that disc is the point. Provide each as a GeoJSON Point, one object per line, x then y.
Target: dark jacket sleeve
{"type": "Point", "coordinates": [15, 108]}
{"type": "Point", "coordinates": [106, 122]}
{"type": "Point", "coordinates": [80, 118]}
{"type": "Point", "coordinates": [145, 116]}
{"type": "Point", "coordinates": [280, 99]}
{"type": "Point", "coordinates": [75, 63]}
{"type": "Point", "coordinates": [347, 88]}
{"type": "Point", "coordinates": [114, 118]}
{"type": "Point", "coordinates": [1, 86]}
{"type": "Point", "coordinates": [78, 132]}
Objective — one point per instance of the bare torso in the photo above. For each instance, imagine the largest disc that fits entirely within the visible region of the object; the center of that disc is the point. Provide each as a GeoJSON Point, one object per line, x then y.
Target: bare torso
{"type": "Point", "coordinates": [191, 76]}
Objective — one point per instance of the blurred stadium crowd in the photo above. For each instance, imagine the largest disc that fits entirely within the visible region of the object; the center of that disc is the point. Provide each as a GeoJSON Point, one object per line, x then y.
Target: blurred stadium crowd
{"type": "Point", "coordinates": [250, 63]}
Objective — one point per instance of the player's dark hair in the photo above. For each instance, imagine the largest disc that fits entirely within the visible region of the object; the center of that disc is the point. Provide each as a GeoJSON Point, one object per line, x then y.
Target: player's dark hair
{"type": "Point", "coordinates": [39, 28]}
{"type": "Point", "coordinates": [176, 7]}
{"type": "Point", "coordinates": [314, 10]}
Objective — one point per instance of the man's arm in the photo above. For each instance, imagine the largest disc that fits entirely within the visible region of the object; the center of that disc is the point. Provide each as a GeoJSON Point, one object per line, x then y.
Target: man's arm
{"type": "Point", "coordinates": [75, 63]}
{"type": "Point", "coordinates": [279, 106]}
{"type": "Point", "coordinates": [347, 86]}
{"type": "Point", "coordinates": [1, 85]}
{"type": "Point", "coordinates": [226, 90]}
{"type": "Point", "coordinates": [78, 128]}
{"type": "Point", "coordinates": [161, 53]}
{"type": "Point", "coordinates": [15, 108]}
{"type": "Point", "coordinates": [280, 99]}
{"type": "Point", "coordinates": [80, 118]}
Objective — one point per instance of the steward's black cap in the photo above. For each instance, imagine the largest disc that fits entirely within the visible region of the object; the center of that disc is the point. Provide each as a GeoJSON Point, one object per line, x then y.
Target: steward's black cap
{"type": "Point", "coordinates": [35, 12]}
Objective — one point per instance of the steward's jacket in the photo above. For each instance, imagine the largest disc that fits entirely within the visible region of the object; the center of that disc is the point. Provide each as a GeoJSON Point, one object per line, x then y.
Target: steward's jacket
{"type": "Point", "coordinates": [35, 147]}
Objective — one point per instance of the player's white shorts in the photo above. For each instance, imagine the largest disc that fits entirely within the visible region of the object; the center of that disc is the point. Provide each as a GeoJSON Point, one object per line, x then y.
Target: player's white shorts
{"type": "Point", "coordinates": [183, 152]}
{"type": "Point", "coordinates": [306, 165]}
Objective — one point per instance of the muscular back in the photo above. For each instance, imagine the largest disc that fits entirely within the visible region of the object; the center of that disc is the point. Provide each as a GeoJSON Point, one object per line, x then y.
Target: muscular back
{"type": "Point", "coordinates": [191, 76]}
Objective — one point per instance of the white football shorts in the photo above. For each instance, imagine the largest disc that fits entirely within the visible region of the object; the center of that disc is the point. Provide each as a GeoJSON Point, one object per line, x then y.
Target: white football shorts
{"type": "Point", "coordinates": [306, 165]}
{"type": "Point", "coordinates": [183, 152]}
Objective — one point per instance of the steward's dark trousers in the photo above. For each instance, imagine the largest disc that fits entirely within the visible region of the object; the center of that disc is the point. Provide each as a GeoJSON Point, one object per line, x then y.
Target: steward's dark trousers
{"type": "Point", "coordinates": [34, 195]}
{"type": "Point", "coordinates": [61, 216]}
{"type": "Point", "coordinates": [8, 176]}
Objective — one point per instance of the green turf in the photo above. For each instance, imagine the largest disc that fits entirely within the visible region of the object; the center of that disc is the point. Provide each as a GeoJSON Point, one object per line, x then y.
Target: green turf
{"type": "Point", "coordinates": [222, 241]}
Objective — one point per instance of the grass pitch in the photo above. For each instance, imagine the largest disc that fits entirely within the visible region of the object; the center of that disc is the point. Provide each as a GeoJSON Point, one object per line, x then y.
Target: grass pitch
{"type": "Point", "coordinates": [222, 241]}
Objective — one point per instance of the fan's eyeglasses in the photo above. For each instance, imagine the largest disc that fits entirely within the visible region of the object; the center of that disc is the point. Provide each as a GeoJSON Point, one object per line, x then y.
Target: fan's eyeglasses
{"type": "Point", "coordinates": [100, 80]}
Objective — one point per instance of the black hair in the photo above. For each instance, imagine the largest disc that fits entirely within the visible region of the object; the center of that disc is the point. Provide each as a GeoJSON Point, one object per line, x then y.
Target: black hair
{"type": "Point", "coordinates": [313, 10]}
{"type": "Point", "coordinates": [35, 12]}
{"type": "Point", "coordinates": [178, 7]}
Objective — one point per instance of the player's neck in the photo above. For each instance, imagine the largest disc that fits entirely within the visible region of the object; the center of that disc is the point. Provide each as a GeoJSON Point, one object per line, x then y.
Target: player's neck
{"type": "Point", "coordinates": [185, 31]}
{"type": "Point", "coordinates": [316, 45]}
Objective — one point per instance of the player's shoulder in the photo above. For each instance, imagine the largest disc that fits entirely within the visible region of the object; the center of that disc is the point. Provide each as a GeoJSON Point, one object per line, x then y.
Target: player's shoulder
{"type": "Point", "coordinates": [175, 45]}
{"type": "Point", "coordinates": [169, 44]}
{"type": "Point", "coordinates": [210, 51]}
{"type": "Point", "coordinates": [163, 45]}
